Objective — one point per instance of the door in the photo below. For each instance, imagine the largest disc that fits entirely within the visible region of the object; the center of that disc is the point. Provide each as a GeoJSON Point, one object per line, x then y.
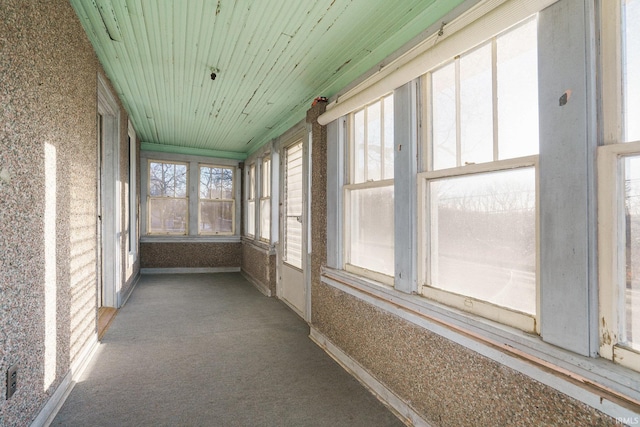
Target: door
{"type": "Point", "coordinates": [108, 207]}
{"type": "Point", "coordinates": [292, 289]}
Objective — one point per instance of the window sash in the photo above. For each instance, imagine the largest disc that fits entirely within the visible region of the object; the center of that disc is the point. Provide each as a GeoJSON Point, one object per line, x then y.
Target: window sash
{"type": "Point", "coordinates": [612, 253]}
{"type": "Point", "coordinates": [216, 226]}
{"type": "Point", "coordinates": [165, 201]}
{"type": "Point", "coordinates": [518, 319]}
{"type": "Point", "coordinates": [370, 269]}
{"type": "Point", "coordinates": [371, 130]}
{"type": "Point", "coordinates": [459, 132]}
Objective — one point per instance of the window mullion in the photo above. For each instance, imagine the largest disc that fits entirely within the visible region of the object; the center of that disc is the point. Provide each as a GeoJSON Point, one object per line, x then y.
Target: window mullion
{"type": "Point", "coordinates": [365, 151]}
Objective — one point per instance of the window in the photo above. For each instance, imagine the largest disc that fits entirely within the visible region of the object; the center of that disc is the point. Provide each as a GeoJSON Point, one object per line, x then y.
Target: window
{"type": "Point", "coordinates": [369, 237]}
{"type": "Point", "coordinates": [251, 200]}
{"type": "Point", "coordinates": [293, 205]}
{"type": "Point", "coordinates": [619, 186]}
{"type": "Point", "coordinates": [478, 193]}
{"type": "Point", "coordinates": [133, 196]}
{"type": "Point", "coordinates": [168, 198]}
{"type": "Point", "coordinates": [217, 203]}
{"type": "Point", "coordinates": [265, 200]}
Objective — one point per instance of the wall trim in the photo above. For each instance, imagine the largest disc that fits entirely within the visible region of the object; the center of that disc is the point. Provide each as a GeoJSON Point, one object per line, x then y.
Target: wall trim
{"type": "Point", "coordinates": [578, 377]}
{"type": "Point", "coordinates": [156, 238]}
{"type": "Point", "coordinates": [257, 284]}
{"type": "Point", "coordinates": [398, 406]}
{"type": "Point", "coordinates": [187, 270]}
{"type": "Point", "coordinates": [124, 297]}
{"type": "Point", "coordinates": [50, 409]}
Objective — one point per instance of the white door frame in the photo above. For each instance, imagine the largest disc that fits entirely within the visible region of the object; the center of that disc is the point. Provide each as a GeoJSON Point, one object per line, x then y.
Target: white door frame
{"type": "Point", "coordinates": [291, 137]}
{"type": "Point", "coordinates": [109, 192]}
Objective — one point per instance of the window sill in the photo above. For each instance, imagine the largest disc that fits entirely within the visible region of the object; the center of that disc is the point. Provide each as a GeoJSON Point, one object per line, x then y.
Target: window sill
{"type": "Point", "coordinates": [599, 383]}
{"type": "Point", "coordinates": [190, 239]}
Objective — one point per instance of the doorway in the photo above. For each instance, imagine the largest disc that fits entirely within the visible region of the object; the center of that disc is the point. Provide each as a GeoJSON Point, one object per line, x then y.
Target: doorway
{"type": "Point", "coordinates": [108, 206]}
{"type": "Point", "coordinates": [292, 287]}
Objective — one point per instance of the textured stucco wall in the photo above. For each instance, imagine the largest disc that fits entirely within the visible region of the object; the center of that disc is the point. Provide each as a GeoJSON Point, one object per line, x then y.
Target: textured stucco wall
{"type": "Point", "coordinates": [318, 199]}
{"type": "Point", "coordinates": [48, 87]}
{"type": "Point", "coordinates": [190, 255]}
{"type": "Point", "coordinates": [448, 384]}
{"type": "Point", "coordinates": [259, 265]}
{"type": "Point", "coordinates": [444, 382]}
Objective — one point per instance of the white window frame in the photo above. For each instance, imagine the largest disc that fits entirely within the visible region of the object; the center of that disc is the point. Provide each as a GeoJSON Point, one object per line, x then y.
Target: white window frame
{"type": "Point", "coordinates": [265, 195]}
{"type": "Point", "coordinates": [232, 200]}
{"type": "Point", "coordinates": [524, 321]}
{"type": "Point", "coordinates": [349, 187]}
{"type": "Point", "coordinates": [149, 198]}
{"type": "Point", "coordinates": [611, 225]}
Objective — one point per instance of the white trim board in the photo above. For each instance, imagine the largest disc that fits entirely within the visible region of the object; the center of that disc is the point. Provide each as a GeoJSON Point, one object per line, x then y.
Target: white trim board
{"type": "Point", "coordinates": [50, 410]}
{"type": "Point", "coordinates": [264, 290]}
{"type": "Point", "coordinates": [189, 270]}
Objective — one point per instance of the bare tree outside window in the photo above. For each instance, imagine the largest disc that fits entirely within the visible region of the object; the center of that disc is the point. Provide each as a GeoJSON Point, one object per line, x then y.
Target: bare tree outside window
{"type": "Point", "coordinates": [217, 205]}
{"type": "Point", "coordinates": [168, 199]}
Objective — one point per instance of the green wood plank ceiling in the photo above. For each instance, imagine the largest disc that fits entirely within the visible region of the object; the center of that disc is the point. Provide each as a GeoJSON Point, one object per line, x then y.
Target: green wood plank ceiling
{"type": "Point", "coordinates": [271, 59]}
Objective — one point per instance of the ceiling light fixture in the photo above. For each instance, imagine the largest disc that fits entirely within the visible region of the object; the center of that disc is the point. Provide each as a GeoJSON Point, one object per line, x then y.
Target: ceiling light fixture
{"type": "Point", "coordinates": [214, 73]}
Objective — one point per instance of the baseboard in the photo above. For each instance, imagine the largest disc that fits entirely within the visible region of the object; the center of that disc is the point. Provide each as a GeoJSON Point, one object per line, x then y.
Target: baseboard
{"type": "Point", "coordinates": [57, 399]}
{"type": "Point", "coordinates": [260, 286]}
{"type": "Point", "coordinates": [189, 270]}
{"type": "Point", "coordinates": [402, 410]}
{"type": "Point", "coordinates": [123, 298]}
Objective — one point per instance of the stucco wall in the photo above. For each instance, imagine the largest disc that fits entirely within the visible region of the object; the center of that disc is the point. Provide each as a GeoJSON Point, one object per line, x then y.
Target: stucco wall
{"type": "Point", "coordinates": [190, 255]}
{"type": "Point", "coordinates": [260, 266]}
{"type": "Point", "coordinates": [446, 383]}
{"type": "Point", "coordinates": [48, 86]}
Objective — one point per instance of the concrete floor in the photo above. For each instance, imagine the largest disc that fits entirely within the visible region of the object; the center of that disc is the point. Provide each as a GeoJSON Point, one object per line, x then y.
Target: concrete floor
{"type": "Point", "coordinates": [210, 350]}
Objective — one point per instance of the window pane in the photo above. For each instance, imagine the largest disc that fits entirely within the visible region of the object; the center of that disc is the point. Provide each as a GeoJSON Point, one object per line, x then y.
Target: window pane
{"type": "Point", "coordinates": [443, 84]}
{"type": "Point", "coordinates": [483, 240]}
{"type": "Point", "coordinates": [517, 77]}
{"type": "Point", "coordinates": [164, 178]}
{"type": "Point", "coordinates": [631, 289]}
{"type": "Point", "coordinates": [374, 148]}
{"type": "Point", "coordinates": [371, 229]}
{"type": "Point", "coordinates": [265, 218]}
{"type": "Point", "coordinates": [293, 206]}
{"type": "Point", "coordinates": [252, 182]}
{"type": "Point", "coordinates": [476, 106]}
{"type": "Point", "coordinates": [168, 215]}
{"type": "Point", "coordinates": [216, 183]}
{"type": "Point", "coordinates": [293, 244]}
{"type": "Point", "coordinates": [180, 177]}
{"type": "Point", "coordinates": [251, 218]}
{"type": "Point", "coordinates": [631, 69]}
{"type": "Point", "coordinates": [358, 147]}
{"type": "Point", "coordinates": [388, 138]}
{"type": "Point", "coordinates": [266, 178]}
{"type": "Point", "coordinates": [216, 217]}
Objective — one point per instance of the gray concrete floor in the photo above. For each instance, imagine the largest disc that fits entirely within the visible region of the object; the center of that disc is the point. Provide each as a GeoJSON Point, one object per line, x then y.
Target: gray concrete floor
{"type": "Point", "coordinates": [210, 350]}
